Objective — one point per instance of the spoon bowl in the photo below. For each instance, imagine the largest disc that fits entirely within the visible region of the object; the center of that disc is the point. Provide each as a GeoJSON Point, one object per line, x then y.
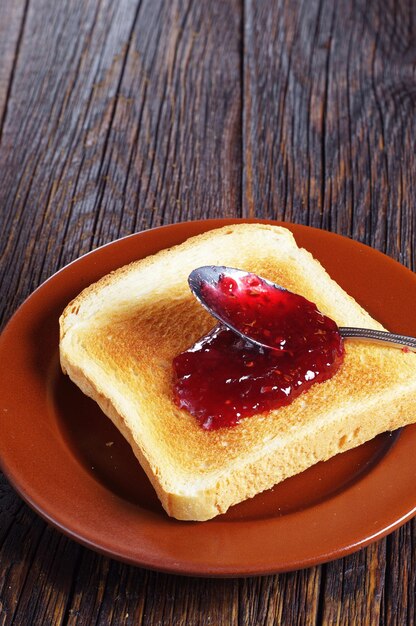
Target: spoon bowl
{"type": "Point", "coordinates": [210, 276]}
{"type": "Point", "coordinates": [205, 281]}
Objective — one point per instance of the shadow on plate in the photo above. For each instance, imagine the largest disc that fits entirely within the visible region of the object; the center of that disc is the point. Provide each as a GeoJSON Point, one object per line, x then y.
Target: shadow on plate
{"type": "Point", "coordinates": [102, 450]}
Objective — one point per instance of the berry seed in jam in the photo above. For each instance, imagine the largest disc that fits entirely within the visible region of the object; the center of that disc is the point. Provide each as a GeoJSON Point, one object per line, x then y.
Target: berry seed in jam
{"type": "Point", "coordinates": [223, 378]}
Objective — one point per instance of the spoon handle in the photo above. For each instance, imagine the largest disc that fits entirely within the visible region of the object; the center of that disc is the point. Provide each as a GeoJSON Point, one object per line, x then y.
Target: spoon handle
{"type": "Point", "coordinates": [398, 341]}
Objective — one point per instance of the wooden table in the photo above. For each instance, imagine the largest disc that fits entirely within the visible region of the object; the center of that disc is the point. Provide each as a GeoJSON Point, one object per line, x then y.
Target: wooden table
{"type": "Point", "coordinates": [119, 116]}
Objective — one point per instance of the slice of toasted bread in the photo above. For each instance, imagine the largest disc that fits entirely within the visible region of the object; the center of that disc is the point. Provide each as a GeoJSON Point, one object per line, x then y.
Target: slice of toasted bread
{"type": "Point", "coordinates": [118, 339]}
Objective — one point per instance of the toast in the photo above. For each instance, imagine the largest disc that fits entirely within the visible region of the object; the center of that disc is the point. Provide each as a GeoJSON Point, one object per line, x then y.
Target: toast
{"type": "Point", "coordinates": [118, 339]}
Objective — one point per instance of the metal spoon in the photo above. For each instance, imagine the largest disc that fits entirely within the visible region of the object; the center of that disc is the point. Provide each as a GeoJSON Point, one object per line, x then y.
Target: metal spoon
{"type": "Point", "coordinates": [211, 274]}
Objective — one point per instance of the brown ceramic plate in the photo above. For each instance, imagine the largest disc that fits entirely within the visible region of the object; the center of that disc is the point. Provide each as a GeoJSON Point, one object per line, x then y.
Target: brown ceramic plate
{"type": "Point", "coordinates": [71, 465]}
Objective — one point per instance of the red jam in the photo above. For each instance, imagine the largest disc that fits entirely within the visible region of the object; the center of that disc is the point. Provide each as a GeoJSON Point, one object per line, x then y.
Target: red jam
{"type": "Point", "coordinates": [222, 378]}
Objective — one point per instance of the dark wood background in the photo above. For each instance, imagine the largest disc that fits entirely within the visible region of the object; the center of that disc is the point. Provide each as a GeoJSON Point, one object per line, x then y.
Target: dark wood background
{"type": "Point", "coordinates": [119, 116]}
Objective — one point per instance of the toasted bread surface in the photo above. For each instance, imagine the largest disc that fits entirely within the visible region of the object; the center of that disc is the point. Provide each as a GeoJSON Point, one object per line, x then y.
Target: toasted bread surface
{"type": "Point", "coordinates": [118, 339]}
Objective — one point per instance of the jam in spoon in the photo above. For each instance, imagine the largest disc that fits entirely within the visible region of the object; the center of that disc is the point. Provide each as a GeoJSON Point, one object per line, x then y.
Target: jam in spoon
{"type": "Point", "coordinates": [256, 309]}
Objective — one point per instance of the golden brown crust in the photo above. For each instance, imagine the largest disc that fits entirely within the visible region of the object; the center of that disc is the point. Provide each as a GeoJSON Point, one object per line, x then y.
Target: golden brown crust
{"type": "Point", "coordinates": [118, 339]}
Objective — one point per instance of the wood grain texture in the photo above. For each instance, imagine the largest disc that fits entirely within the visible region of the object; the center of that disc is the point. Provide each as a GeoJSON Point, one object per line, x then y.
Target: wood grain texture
{"type": "Point", "coordinates": [13, 16]}
{"type": "Point", "coordinates": [328, 140]}
{"type": "Point", "coordinates": [132, 122]}
{"type": "Point", "coordinates": [328, 118]}
{"type": "Point", "coordinates": [119, 116]}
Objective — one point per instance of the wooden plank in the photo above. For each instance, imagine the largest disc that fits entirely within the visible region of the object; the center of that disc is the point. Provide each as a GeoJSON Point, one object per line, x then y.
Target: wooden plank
{"type": "Point", "coordinates": [12, 23]}
{"type": "Point", "coordinates": [174, 151]}
{"type": "Point", "coordinates": [31, 556]}
{"type": "Point", "coordinates": [353, 588]}
{"type": "Point", "coordinates": [121, 116]}
{"type": "Point", "coordinates": [327, 134]}
{"type": "Point", "coordinates": [400, 585]}
{"type": "Point", "coordinates": [328, 121]}
{"type": "Point", "coordinates": [133, 122]}
{"type": "Point", "coordinates": [329, 118]}
{"type": "Point", "coordinates": [65, 50]}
